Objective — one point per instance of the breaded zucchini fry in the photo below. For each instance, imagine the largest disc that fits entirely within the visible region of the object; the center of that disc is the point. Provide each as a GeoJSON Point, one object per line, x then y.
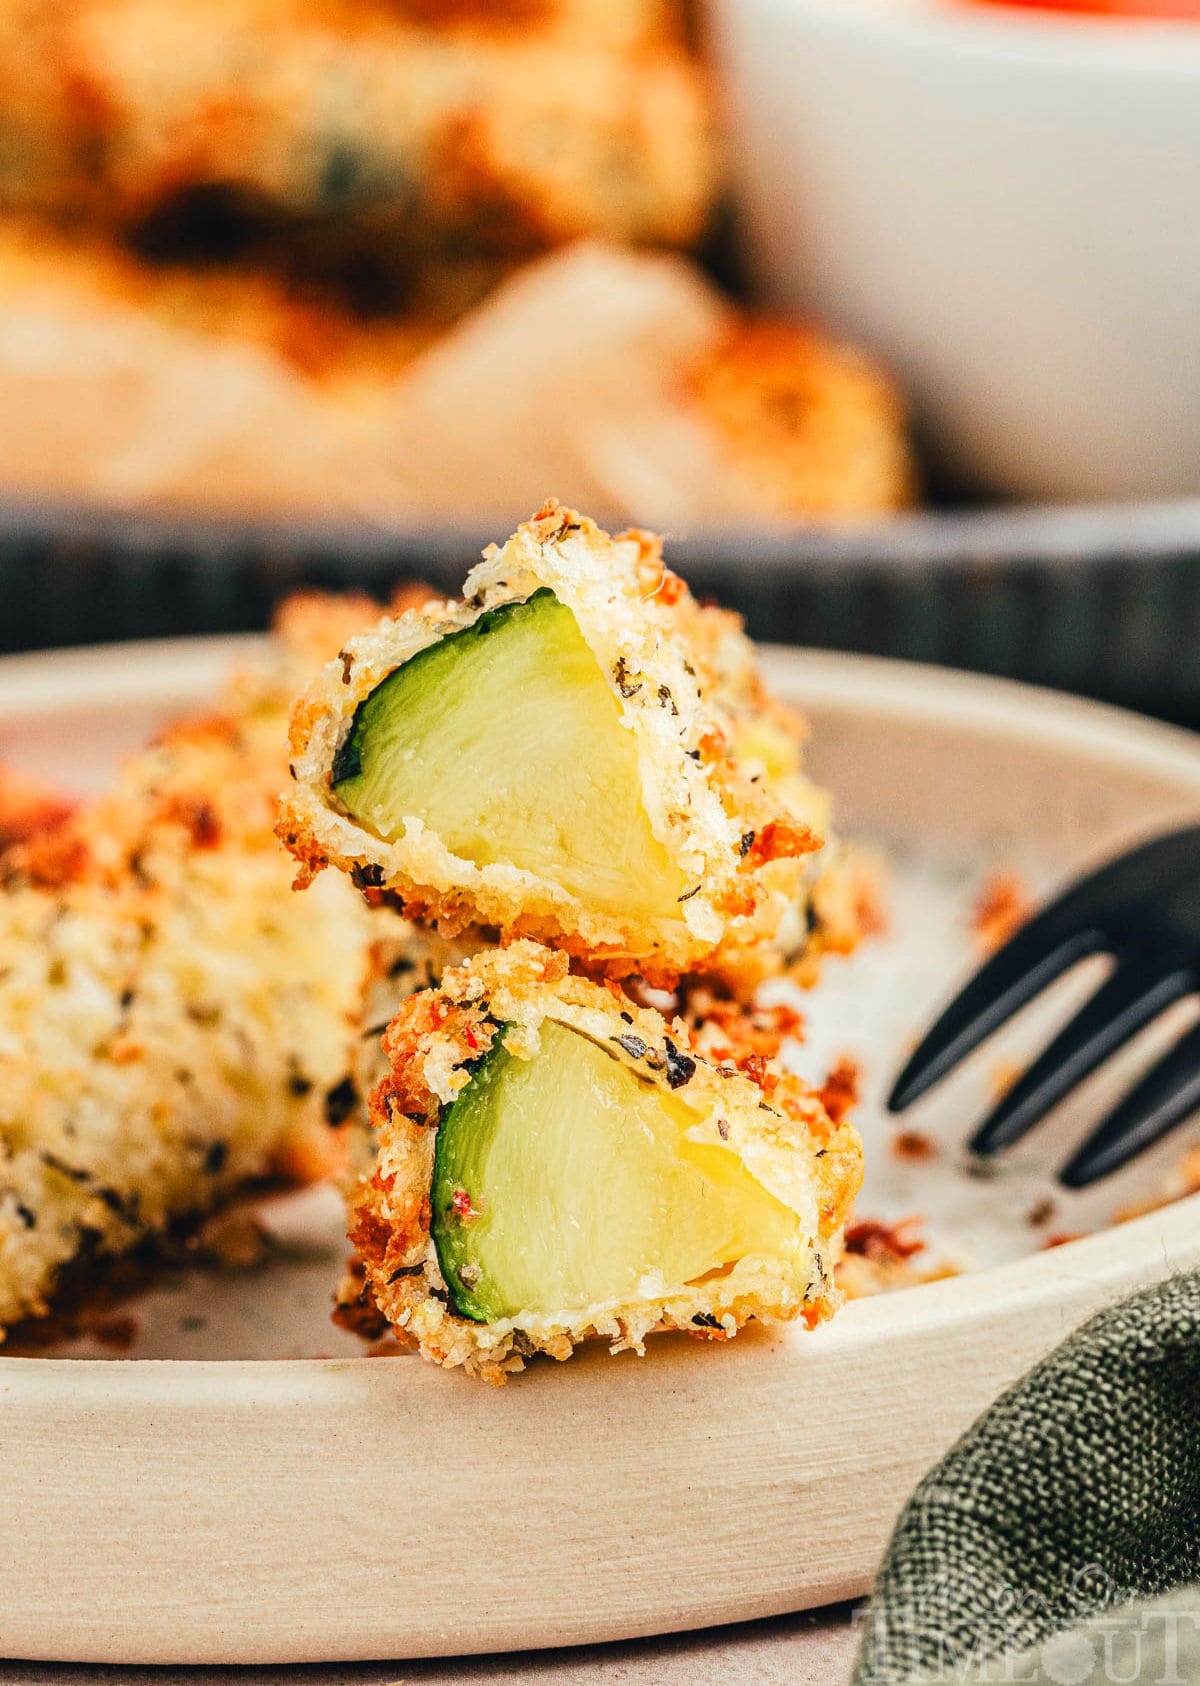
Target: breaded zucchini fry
{"type": "Point", "coordinates": [542, 758]}
{"type": "Point", "coordinates": [174, 1021]}
{"type": "Point", "coordinates": [594, 22]}
{"type": "Point", "coordinates": [555, 1164]}
{"type": "Point", "coordinates": [171, 1024]}
{"type": "Point", "coordinates": [347, 116]}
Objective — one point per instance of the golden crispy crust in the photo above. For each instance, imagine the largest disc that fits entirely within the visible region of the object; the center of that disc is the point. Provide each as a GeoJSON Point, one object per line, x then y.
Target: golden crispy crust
{"type": "Point", "coordinates": [406, 142]}
{"type": "Point", "coordinates": [772, 1119]}
{"type": "Point", "coordinates": [28, 808]}
{"type": "Point", "coordinates": [174, 1022]}
{"type": "Point", "coordinates": [596, 22]}
{"type": "Point", "coordinates": [724, 829]}
{"type": "Point", "coordinates": [814, 426]}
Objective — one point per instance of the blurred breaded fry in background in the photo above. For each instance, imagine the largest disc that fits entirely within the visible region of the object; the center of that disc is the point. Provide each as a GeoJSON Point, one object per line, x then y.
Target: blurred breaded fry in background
{"type": "Point", "coordinates": [398, 261]}
{"type": "Point", "coordinates": [605, 22]}
{"type": "Point", "coordinates": [502, 137]}
{"type": "Point", "coordinates": [622, 379]}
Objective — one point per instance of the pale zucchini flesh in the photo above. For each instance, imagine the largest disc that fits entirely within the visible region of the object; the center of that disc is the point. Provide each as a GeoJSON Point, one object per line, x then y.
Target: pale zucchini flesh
{"type": "Point", "coordinates": [506, 741]}
{"type": "Point", "coordinates": [566, 1181]}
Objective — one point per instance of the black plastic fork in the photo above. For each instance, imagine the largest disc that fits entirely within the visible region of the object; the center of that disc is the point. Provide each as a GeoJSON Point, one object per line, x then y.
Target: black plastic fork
{"type": "Point", "coordinates": [1144, 910]}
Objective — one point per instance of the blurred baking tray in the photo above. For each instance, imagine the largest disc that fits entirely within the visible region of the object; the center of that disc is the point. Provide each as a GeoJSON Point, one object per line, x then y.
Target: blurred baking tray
{"type": "Point", "coordinates": [1104, 601]}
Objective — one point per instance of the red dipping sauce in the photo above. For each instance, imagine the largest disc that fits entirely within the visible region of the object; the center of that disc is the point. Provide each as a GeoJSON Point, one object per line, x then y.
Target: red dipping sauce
{"type": "Point", "coordinates": [1171, 11]}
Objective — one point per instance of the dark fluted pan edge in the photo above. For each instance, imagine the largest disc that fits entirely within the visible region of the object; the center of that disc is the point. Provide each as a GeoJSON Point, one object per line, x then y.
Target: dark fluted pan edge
{"type": "Point", "coordinates": [1104, 601]}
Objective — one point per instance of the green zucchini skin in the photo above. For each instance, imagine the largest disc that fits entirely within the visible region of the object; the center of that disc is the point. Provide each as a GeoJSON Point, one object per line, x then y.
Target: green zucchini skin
{"type": "Point", "coordinates": [348, 762]}
{"type": "Point", "coordinates": [458, 1141]}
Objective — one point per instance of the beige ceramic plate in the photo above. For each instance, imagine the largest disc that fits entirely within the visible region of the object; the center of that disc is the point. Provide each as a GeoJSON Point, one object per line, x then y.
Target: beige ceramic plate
{"type": "Point", "coordinates": [228, 1494]}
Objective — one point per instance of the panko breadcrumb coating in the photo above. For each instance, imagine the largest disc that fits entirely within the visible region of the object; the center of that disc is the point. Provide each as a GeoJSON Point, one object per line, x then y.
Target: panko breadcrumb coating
{"type": "Point", "coordinates": [175, 1023]}
{"type": "Point", "coordinates": [806, 1168]}
{"type": "Point", "coordinates": [171, 1025]}
{"type": "Point", "coordinates": [715, 830]}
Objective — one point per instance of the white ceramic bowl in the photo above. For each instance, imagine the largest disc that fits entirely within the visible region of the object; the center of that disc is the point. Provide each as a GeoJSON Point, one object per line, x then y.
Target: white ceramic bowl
{"type": "Point", "coordinates": [1006, 204]}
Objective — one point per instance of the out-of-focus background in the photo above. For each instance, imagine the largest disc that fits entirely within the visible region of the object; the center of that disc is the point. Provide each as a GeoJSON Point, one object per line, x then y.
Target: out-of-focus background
{"type": "Point", "coordinates": [887, 312]}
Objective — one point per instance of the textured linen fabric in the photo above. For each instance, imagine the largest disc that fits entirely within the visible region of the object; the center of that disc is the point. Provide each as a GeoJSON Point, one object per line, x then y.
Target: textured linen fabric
{"type": "Point", "coordinates": [1077, 1492]}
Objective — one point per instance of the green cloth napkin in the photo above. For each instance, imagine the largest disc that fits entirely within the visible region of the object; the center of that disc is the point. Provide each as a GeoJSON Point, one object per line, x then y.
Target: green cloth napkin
{"type": "Point", "coordinates": [1078, 1492]}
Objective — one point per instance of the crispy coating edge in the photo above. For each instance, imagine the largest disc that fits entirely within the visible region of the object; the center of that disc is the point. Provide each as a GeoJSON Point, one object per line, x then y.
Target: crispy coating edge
{"type": "Point", "coordinates": [772, 1118]}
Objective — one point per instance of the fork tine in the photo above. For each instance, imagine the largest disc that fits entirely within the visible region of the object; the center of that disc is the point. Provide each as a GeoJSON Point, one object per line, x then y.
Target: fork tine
{"type": "Point", "coordinates": [1162, 1099]}
{"type": "Point", "coordinates": [1136, 992]}
{"type": "Point", "coordinates": [1070, 928]}
{"type": "Point", "coordinates": [1040, 952]}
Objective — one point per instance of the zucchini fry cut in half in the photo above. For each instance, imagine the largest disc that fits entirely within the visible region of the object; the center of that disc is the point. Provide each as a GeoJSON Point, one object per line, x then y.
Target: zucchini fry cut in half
{"type": "Point", "coordinates": [544, 758]}
{"type": "Point", "coordinates": [555, 1164]}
